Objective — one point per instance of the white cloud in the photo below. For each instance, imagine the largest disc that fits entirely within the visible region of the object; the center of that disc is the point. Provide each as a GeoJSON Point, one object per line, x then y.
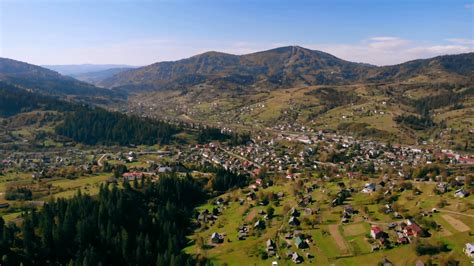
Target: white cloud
{"type": "Point", "coordinates": [393, 50]}
{"type": "Point", "coordinates": [387, 43]}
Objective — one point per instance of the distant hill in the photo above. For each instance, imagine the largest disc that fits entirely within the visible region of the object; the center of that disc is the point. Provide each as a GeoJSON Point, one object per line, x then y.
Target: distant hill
{"type": "Point", "coordinates": [283, 67]}
{"type": "Point", "coordinates": [97, 77]}
{"type": "Point", "coordinates": [74, 70]}
{"type": "Point", "coordinates": [46, 81]}
{"type": "Point", "coordinates": [451, 68]}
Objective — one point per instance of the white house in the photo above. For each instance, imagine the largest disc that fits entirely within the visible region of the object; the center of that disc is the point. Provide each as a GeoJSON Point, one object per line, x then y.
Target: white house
{"type": "Point", "coordinates": [469, 250]}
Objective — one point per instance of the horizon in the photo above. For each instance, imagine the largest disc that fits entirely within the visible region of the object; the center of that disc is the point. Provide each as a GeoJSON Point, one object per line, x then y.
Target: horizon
{"type": "Point", "coordinates": [144, 32]}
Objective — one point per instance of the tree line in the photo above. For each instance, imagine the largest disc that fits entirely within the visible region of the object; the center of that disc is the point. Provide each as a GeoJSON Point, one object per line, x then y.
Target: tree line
{"type": "Point", "coordinates": [146, 226]}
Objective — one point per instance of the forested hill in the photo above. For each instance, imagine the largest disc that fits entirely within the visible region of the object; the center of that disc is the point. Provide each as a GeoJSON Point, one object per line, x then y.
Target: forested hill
{"type": "Point", "coordinates": [144, 226]}
{"type": "Point", "coordinates": [14, 100]}
{"type": "Point", "coordinates": [46, 81]}
{"type": "Point", "coordinates": [98, 126]}
{"type": "Point", "coordinates": [285, 67]}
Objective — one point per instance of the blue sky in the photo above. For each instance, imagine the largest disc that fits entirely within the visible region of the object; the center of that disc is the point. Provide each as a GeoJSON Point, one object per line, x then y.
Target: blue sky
{"type": "Point", "coordinates": [140, 32]}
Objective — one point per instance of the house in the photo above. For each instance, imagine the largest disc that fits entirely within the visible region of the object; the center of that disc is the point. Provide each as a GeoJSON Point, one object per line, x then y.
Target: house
{"type": "Point", "coordinates": [217, 238]}
{"type": "Point", "coordinates": [349, 210]}
{"type": "Point", "coordinates": [270, 247]}
{"type": "Point", "coordinates": [469, 250]}
{"type": "Point", "coordinates": [465, 160]}
{"type": "Point", "coordinates": [164, 169]}
{"type": "Point", "coordinates": [259, 224]}
{"type": "Point", "coordinates": [376, 232]}
{"type": "Point", "coordinates": [300, 243]}
{"type": "Point", "coordinates": [132, 176]}
{"type": "Point", "coordinates": [442, 187]}
{"type": "Point", "coordinates": [296, 258]}
{"type": "Point", "coordinates": [461, 193]}
{"type": "Point", "coordinates": [294, 212]}
{"type": "Point", "coordinates": [369, 188]}
{"type": "Point", "coordinates": [412, 229]}
{"type": "Point", "coordinates": [375, 248]}
{"type": "Point", "coordinates": [251, 196]}
{"type": "Point", "coordinates": [131, 157]}
{"type": "Point", "coordinates": [243, 232]}
{"type": "Point", "coordinates": [294, 221]}
{"type": "Point", "coordinates": [403, 240]}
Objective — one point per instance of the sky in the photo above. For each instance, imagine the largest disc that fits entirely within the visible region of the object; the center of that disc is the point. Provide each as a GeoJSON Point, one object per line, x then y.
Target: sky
{"type": "Point", "coordinates": [141, 32]}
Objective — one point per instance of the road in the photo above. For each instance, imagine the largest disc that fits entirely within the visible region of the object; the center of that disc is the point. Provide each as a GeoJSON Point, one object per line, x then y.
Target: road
{"type": "Point", "coordinates": [457, 213]}
{"type": "Point", "coordinates": [99, 162]}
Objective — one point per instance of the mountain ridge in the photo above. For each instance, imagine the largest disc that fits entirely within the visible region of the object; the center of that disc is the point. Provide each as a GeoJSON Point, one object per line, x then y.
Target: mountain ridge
{"type": "Point", "coordinates": [281, 67]}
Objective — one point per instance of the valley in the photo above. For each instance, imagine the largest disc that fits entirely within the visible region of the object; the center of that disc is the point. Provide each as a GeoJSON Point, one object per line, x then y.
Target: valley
{"type": "Point", "coordinates": [281, 157]}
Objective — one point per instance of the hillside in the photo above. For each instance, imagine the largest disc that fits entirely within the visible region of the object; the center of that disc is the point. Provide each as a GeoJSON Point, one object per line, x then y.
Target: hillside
{"type": "Point", "coordinates": [452, 68]}
{"type": "Point", "coordinates": [46, 81]}
{"type": "Point", "coordinates": [296, 89]}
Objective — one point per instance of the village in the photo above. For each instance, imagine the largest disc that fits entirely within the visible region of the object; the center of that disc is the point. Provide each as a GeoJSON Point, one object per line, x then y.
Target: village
{"type": "Point", "coordinates": [312, 198]}
{"type": "Point", "coordinates": [342, 220]}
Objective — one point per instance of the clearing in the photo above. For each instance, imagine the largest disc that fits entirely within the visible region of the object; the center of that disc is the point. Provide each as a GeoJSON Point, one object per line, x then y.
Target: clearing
{"type": "Point", "coordinates": [455, 223]}
{"type": "Point", "coordinates": [354, 229]}
{"type": "Point", "coordinates": [341, 243]}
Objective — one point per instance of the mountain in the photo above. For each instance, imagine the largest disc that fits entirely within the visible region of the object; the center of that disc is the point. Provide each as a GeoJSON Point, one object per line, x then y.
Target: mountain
{"type": "Point", "coordinates": [74, 70]}
{"type": "Point", "coordinates": [452, 68]}
{"type": "Point", "coordinates": [97, 77]}
{"type": "Point", "coordinates": [284, 67]}
{"type": "Point", "coordinates": [281, 67]}
{"type": "Point", "coordinates": [291, 88]}
{"type": "Point", "coordinates": [46, 81]}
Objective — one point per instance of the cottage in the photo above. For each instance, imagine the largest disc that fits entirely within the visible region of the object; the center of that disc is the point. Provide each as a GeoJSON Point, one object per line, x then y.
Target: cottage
{"type": "Point", "coordinates": [412, 229]}
{"type": "Point", "coordinates": [296, 258]}
{"type": "Point", "coordinates": [294, 221]}
{"type": "Point", "coordinates": [251, 196]}
{"type": "Point", "coordinates": [217, 238]}
{"type": "Point", "coordinates": [375, 248]}
{"type": "Point", "coordinates": [369, 188]}
{"type": "Point", "coordinates": [132, 176]}
{"type": "Point", "coordinates": [349, 210]}
{"type": "Point", "coordinates": [376, 232]}
{"type": "Point", "coordinates": [300, 243]}
{"type": "Point", "coordinates": [294, 212]}
{"type": "Point", "coordinates": [259, 224]}
{"type": "Point", "coordinates": [271, 247]}
{"type": "Point", "coordinates": [164, 169]}
{"type": "Point", "coordinates": [403, 240]}
{"type": "Point", "coordinates": [442, 187]}
{"type": "Point", "coordinates": [461, 193]}
{"type": "Point", "coordinates": [469, 250]}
